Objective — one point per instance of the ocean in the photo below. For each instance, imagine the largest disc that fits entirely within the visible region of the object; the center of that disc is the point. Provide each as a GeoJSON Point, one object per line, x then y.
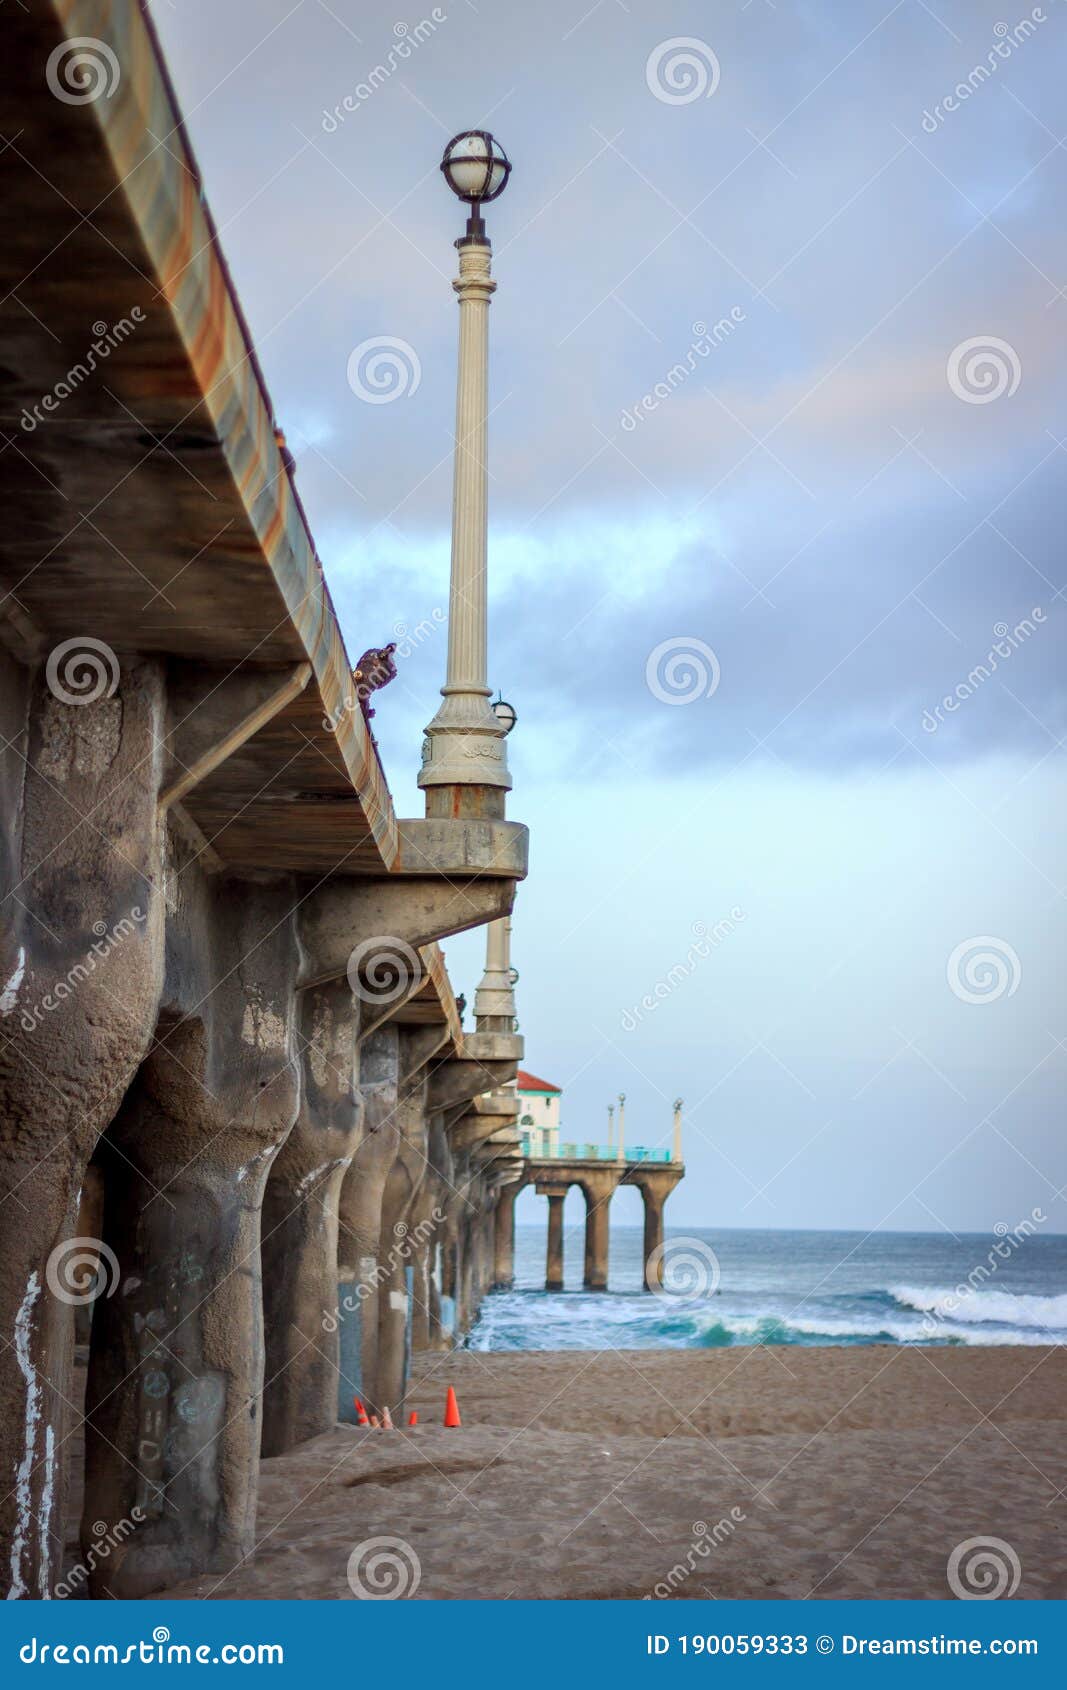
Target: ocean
{"type": "Point", "coordinates": [778, 1287]}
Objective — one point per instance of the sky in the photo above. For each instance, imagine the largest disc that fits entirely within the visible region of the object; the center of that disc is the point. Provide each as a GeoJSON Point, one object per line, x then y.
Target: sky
{"type": "Point", "coordinates": [777, 458]}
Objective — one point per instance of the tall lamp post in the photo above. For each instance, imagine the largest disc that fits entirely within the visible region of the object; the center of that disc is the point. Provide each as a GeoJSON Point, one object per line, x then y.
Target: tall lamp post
{"type": "Point", "coordinates": [464, 763]}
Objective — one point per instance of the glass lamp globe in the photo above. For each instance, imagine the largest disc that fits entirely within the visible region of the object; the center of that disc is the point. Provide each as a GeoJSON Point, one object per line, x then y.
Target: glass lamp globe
{"type": "Point", "coordinates": [475, 166]}
{"type": "Point", "coordinates": [504, 713]}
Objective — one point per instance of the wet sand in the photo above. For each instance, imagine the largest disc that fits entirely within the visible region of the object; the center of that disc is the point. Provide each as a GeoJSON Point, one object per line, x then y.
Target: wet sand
{"type": "Point", "coordinates": [745, 1472]}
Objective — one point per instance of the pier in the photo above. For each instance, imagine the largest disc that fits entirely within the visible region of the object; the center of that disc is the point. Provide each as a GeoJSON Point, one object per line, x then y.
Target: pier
{"type": "Point", "coordinates": [598, 1170]}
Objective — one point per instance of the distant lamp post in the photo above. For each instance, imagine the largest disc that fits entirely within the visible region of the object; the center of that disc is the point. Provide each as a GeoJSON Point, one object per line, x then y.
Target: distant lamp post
{"type": "Point", "coordinates": [611, 1125]}
{"type": "Point", "coordinates": [676, 1152]}
{"type": "Point", "coordinates": [622, 1126]}
{"type": "Point", "coordinates": [464, 764]}
{"type": "Point", "coordinates": [505, 714]}
{"type": "Point", "coordinates": [494, 1001]}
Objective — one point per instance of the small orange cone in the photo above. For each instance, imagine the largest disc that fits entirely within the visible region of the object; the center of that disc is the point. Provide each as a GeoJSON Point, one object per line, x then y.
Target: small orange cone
{"type": "Point", "coordinates": [361, 1413]}
{"type": "Point", "coordinates": [387, 1421]}
{"type": "Point", "coordinates": [451, 1409]}
{"type": "Point", "coordinates": [413, 1418]}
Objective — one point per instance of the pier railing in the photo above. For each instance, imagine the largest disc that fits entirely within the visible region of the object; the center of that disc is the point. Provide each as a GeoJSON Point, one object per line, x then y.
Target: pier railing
{"type": "Point", "coordinates": [575, 1152]}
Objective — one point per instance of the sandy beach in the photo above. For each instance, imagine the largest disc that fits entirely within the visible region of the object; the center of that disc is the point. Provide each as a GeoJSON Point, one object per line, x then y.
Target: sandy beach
{"type": "Point", "coordinates": [745, 1472]}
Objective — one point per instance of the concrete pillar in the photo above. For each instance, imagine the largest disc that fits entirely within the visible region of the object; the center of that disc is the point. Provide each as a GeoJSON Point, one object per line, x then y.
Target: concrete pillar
{"type": "Point", "coordinates": [653, 1202]}
{"type": "Point", "coordinates": [464, 766]}
{"type": "Point", "coordinates": [504, 1238]}
{"type": "Point", "coordinates": [554, 1261]}
{"type": "Point", "coordinates": [597, 1203]}
{"type": "Point", "coordinates": [176, 1362]}
{"type": "Point", "coordinates": [301, 1314]}
{"type": "Point", "coordinates": [360, 1220]}
{"type": "Point", "coordinates": [81, 958]}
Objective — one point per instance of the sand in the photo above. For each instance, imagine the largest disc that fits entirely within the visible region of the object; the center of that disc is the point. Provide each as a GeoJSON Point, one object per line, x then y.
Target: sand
{"type": "Point", "coordinates": [745, 1472]}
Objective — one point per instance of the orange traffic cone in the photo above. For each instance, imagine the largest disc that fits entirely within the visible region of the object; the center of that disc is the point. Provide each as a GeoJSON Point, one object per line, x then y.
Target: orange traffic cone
{"type": "Point", "coordinates": [451, 1409]}
{"type": "Point", "coordinates": [361, 1413]}
{"type": "Point", "coordinates": [413, 1418]}
{"type": "Point", "coordinates": [387, 1421]}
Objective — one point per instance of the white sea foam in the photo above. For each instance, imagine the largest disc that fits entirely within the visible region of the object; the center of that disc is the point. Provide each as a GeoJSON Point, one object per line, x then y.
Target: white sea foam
{"type": "Point", "coordinates": [956, 1304]}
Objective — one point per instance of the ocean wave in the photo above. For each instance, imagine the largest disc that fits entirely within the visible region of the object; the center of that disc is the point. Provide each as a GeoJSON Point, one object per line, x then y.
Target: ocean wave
{"type": "Point", "coordinates": [961, 1304]}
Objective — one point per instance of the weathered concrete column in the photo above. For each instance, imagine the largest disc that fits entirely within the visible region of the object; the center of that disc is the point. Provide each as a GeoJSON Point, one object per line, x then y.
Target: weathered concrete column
{"type": "Point", "coordinates": [504, 1239]}
{"type": "Point", "coordinates": [176, 1362]}
{"type": "Point", "coordinates": [360, 1219]}
{"type": "Point", "coordinates": [299, 1249]}
{"type": "Point", "coordinates": [654, 1200]}
{"type": "Point", "coordinates": [597, 1201]}
{"type": "Point", "coordinates": [554, 1262]}
{"type": "Point", "coordinates": [81, 964]}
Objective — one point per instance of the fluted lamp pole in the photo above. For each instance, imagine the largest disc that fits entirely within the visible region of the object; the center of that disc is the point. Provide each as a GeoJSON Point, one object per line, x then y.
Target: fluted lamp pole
{"type": "Point", "coordinates": [464, 763]}
{"type": "Point", "coordinates": [622, 1126]}
{"type": "Point", "coordinates": [676, 1151]}
{"type": "Point", "coordinates": [494, 1001]}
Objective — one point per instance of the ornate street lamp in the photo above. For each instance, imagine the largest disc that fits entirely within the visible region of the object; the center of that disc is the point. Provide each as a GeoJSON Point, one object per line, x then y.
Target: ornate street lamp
{"type": "Point", "coordinates": [505, 714]}
{"type": "Point", "coordinates": [464, 764]}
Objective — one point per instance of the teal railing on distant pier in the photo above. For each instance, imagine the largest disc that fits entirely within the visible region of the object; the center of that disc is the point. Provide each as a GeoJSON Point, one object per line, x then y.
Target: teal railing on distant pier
{"type": "Point", "coordinates": [568, 1152]}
